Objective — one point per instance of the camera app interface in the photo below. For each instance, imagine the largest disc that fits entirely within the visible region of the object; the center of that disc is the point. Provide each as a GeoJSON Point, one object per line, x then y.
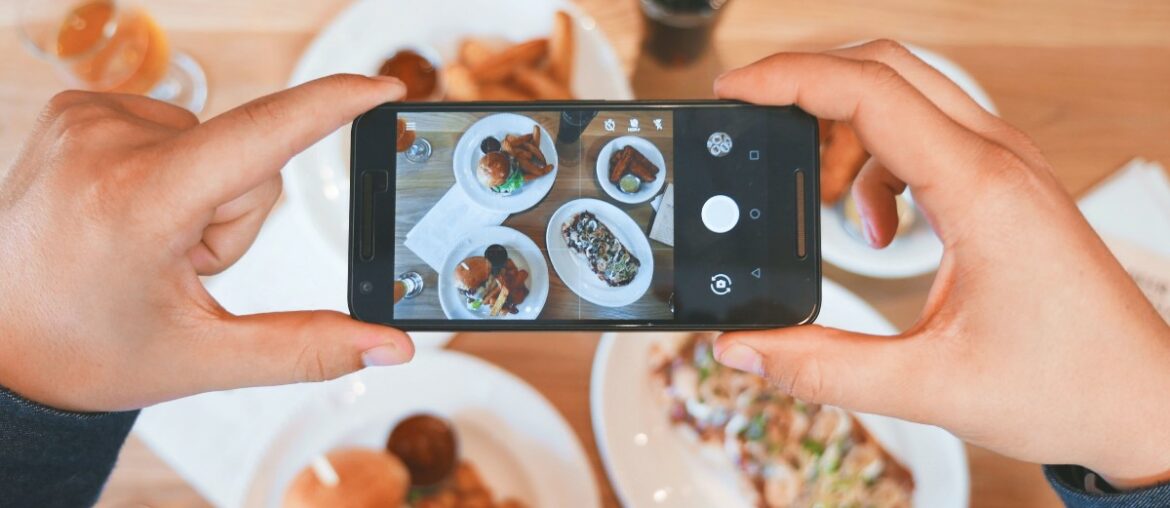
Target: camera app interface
{"type": "Point", "coordinates": [552, 215]}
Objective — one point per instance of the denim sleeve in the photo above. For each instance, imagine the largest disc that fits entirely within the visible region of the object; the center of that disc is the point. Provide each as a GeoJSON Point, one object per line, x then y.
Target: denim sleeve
{"type": "Point", "coordinates": [1079, 488]}
{"type": "Point", "coordinates": [51, 458]}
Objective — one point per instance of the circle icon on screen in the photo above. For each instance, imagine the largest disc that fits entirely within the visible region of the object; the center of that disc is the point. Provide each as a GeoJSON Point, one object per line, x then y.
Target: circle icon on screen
{"type": "Point", "coordinates": [719, 144]}
{"type": "Point", "coordinates": [720, 284]}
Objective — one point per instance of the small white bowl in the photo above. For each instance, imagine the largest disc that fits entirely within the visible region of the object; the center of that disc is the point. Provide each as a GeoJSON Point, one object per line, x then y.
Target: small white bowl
{"type": "Point", "coordinates": [649, 150]}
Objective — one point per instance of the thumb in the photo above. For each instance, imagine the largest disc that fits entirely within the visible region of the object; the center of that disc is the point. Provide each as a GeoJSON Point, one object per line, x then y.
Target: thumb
{"type": "Point", "coordinates": [860, 372]}
{"type": "Point", "coordinates": [296, 347]}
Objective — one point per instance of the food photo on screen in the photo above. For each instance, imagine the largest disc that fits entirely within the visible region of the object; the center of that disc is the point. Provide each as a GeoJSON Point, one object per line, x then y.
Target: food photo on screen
{"type": "Point", "coordinates": [543, 214]}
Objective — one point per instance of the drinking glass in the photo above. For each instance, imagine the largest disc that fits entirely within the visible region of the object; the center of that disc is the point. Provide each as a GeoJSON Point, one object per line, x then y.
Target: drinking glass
{"type": "Point", "coordinates": [111, 46]}
{"type": "Point", "coordinates": [679, 31]}
{"type": "Point", "coordinates": [407, 285]}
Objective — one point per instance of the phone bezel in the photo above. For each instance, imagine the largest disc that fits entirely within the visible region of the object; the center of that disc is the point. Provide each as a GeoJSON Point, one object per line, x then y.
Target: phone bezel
{"type": "Point", "coordinates": [362, 312]}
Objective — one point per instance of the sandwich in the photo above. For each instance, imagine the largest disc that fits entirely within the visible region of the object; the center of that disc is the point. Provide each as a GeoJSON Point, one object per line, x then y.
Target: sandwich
{"type": "Point", "coordinates": [494, 291]}
{"type": "Point", "coordinates": [471, 277]}
{"type": "Point", "coordinates": [496, 172]}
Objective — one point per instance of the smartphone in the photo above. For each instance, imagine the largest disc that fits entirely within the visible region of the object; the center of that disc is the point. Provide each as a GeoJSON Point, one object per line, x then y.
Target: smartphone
{"type": "Point", "coordinates": [584, 215]}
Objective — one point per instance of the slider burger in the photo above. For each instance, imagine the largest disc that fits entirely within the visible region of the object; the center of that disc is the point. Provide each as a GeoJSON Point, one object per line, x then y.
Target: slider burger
{"type": "Point", "coordinates": [471, 278]}
{"type": "Point", "coordinates": [497, 173]}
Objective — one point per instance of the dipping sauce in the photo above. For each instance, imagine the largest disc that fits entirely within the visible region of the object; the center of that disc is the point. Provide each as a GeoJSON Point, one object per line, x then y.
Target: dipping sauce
{"type": "Point", "coordinates": [415, 71]}
{"type": "Point", "coordinates": [426, 445]}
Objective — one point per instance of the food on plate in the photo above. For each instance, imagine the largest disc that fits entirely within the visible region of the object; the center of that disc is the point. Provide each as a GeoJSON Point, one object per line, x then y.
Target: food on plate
{"type": "Point", "coordinates": [537, 69]}
{"type": "Point", "coordinates": [540, 84]}
{"type": "Point", "coordinates": [791, 453]}
{"type": "Point", "coordinates": [561, 48]}
{"type": "Point", "coordinates": [433, 475]}
{"type": "Point", "coordinates": [628, 161]}
{"type": "Point", "coordinates": [500, 65]}
{"type": "Point", "coordinates": [496, 172]}
{"type": "Point", "coordinates": [364, 479]}
{"type": "Point", "coordinates": [603, 253]}
{"type": "Point", "coordinates": [426, 444]}
{"type": "Point", "coordinates": [415, 71]}
{"type": "Point", "coordinates": [492, 288]}
{"type": "Point", "coordinates": [506, 166]}
{"type": "Point", "coordinates": [489, 144]}
{"type": "Point", "coordinates": [405, 136]}
{"type": "Point", "coordinates": [841, 159]}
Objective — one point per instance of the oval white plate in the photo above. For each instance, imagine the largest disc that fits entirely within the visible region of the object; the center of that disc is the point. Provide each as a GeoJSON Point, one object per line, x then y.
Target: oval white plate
{"type": "Point", "coordinates": [369, 31]}
{"type": "Point", "coordinates": [649, 150]}
{"type": "Point", "coordinates": [521, 250]}
{"type": "Point", "coordinates": [651, 464]}
{"type": "Point", "coordinates": [467, 154]}
{"type": "Point", "coordinates": [519, 443]}
{"type": "Point", "coordinates": [913, 253]}
{"type": "Point", "coordinates": [575, 272]}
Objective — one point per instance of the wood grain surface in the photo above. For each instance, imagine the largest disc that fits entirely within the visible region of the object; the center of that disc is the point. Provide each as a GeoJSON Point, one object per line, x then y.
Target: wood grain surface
{"type": "Point", "coordinates": [1088, 80]}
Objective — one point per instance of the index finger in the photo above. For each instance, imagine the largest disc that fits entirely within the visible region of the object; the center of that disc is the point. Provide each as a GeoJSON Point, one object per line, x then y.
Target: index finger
{"type": "Point", "coordinates": [896, 123]}
{"type": "Point", "coordinates": [240, 149]}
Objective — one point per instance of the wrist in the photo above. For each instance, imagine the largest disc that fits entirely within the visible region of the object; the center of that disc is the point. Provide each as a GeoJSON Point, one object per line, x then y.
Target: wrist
{"type": "Point", "coordinates": [1132, 483]}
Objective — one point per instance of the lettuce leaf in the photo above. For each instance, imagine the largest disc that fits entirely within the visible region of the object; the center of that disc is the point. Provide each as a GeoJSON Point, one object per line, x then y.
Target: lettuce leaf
{"type": "Point", "coordinates": [514, 182]}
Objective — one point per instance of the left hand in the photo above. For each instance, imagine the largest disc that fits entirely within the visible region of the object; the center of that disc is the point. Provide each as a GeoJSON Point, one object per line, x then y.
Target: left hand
{"type": "Point", "coordinates": [115, 207]}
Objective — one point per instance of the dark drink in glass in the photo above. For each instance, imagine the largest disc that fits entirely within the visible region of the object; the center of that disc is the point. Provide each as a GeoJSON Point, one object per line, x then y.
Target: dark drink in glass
{"type": "Point", "coordinates": [679, 31]}
{"type": "Point", "coordinates": [573, 123]}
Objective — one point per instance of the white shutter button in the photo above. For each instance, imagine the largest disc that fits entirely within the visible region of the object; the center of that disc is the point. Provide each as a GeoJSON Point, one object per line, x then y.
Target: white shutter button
{"type": "Point", "coordinates": [720, 214]}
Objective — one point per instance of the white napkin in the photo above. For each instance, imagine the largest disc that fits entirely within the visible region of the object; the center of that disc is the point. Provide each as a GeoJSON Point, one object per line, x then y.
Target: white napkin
{"type": "Point", "coordinates": [1134, 205]}
{"type": "Point", "coordinates": [450, 219]}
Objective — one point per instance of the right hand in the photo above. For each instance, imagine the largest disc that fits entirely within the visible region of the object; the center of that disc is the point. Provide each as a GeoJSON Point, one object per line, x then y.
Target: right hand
{"type": "Point", "coordinates": [1034, 341]}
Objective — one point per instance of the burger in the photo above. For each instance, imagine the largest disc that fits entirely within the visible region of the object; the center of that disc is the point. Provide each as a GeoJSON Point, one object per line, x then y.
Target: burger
{"type": "Point", "coordinates": [471, 279]}
{"type": "Point", "coordinates": [497, 173]}
{"type": "Point", "coordinates": [364, 478]}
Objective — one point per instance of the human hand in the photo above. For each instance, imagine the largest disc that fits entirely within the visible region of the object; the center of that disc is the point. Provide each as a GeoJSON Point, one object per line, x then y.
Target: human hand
{"type": "Point", "coordinates": [111, 212]}
{"type": "Point", "coordinates": [1034, 342]}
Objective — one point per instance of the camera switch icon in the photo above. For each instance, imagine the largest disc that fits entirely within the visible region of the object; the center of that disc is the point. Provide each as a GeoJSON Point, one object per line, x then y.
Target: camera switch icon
{"type": "Point", "coordinates": [720, 284]}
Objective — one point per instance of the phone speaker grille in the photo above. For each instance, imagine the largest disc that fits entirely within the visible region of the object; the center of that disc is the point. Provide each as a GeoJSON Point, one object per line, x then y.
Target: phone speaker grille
{"type": "Point", "coordinates": [801, 241]}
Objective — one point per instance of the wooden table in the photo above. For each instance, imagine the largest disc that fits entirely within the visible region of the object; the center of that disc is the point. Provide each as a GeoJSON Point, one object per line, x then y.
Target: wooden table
{"type": "Point", "coordinates": [1088, 80]}
{"type": "Point", "coordinates": [420, 186]}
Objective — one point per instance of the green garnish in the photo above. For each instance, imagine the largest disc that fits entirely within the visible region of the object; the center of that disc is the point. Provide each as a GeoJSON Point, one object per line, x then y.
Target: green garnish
{"type": "Point", "coordinates": [514, 182]}
{"type": "Point", "coordinates": [813, 447]}
{"type": "Point", "coordinates": [475, 305]}
{"type": "Point", "coordinates": [755, 429]}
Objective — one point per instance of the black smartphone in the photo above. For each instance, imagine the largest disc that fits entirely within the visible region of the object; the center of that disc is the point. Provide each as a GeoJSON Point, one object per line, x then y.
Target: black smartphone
{"type": "Point", "coordinates": [693, 215]}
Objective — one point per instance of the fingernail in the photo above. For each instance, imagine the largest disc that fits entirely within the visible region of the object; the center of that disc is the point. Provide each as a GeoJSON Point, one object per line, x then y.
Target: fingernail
{"type": "Point", "coordinates": [383, 355]}
{"type": "Point", "coordinates": [870, 237]}
{"type": "Point", "coordinates": [741, 357]}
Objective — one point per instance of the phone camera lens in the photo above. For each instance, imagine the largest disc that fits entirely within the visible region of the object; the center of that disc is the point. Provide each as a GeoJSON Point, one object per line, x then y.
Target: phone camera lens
{"type": "Point", "coordinates": [366, 287]}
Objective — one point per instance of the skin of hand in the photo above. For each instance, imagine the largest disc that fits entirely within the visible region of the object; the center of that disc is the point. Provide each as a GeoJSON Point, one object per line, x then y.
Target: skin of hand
{"type": "Point", "coordinates": [1034, 342]}
{"type": "Point", "coordinates": [111, 212]}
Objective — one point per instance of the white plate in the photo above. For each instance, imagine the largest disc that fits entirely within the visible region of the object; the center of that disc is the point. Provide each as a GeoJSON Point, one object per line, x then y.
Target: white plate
{"type": "Point", "coordinates": [575, 272]}
{"type": "Point", "coordinates": [649, 150]}
{"type": "Point", "coordinates": [650, 463]}
{"type": "Point", "coordinates": [521, 250]}
{"type": "Point", "coordinates": [369, 31]}
{"type": "Point", "coordinates": [913, 253]}
{"type": "Point", "coordinates": [467, 154]}
{"type": "Point", "coordinates": [520, 444]}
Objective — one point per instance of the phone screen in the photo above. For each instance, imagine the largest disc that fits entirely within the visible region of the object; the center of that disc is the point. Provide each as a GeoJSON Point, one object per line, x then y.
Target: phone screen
{"type": "Point", "coordinates": [593, 216]}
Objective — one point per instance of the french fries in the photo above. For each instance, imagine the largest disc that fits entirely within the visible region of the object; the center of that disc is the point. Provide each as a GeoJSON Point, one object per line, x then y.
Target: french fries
{"type": "Point", "coordinates": [537, 69]}
{"type": "Point", "coordinates": [525, 150]}
{"type": "Point", "coordinates": [560, 49]}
